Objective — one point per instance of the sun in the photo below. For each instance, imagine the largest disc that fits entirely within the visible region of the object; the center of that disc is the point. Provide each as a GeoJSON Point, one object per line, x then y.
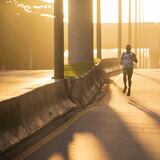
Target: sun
{"type": "Point", "coordinates": [48, 1]}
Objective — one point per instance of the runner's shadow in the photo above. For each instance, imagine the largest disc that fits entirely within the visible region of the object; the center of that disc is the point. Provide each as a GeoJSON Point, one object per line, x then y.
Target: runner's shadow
{"type": "Point", "coordinates": [146, 110]}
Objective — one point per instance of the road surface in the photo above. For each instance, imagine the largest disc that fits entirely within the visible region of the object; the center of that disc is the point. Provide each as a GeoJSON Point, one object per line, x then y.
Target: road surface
{"type": "Point", "coordinates": [15, 83]}
{"type": "Point", "coordinates": [118, 128]}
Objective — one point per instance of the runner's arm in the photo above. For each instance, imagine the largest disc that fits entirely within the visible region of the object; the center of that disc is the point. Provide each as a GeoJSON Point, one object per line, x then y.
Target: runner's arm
{"type": "Point", "coordinates": [135, 58]}
{"type": "Point", "coordinates": [121, 59]}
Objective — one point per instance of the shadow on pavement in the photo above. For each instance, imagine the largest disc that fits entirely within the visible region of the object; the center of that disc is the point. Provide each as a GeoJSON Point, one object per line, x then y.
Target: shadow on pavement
{"type": "Point", "coordinates": [148, 77]}
{"type": "Point", "coordinates": [153, 115]}
{"type": "Point", "coordinates": [113, 138]}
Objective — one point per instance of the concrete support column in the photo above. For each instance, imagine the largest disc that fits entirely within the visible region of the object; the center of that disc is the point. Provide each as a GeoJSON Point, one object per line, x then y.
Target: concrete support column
{"type": "Point", "coordinates": [58, 40]}
{"type": "Point", "coordinates": [136, 27]}
{"type": "Point", "coordinates": [129, 23]}
{"type": "Point", "coordinates": [80, 28]}
{"type": "Point", "coordinates": [143, 34]}
{"type": "Point", "coordinates": [99, 29]}
{"type": "Point", "coordinates": [119, 28]}
{"type": "Point", "coordinates": [140, 34]}
{"type": "Point", "coordinates": [153, 47]}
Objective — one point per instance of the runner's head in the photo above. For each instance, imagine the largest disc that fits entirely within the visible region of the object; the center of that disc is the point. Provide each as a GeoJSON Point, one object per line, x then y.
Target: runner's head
{"type": "Point", "coordinates": [128, 47]}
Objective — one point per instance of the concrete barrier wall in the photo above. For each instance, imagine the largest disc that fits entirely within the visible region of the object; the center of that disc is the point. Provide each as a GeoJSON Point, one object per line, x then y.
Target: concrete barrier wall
{"type": "Point", "coordinates": [84, 89]}
{"type": "Point", "coordinates": [24, 115]}
{"type": "Point", "coordinates": [110, 62]}
{"type": "Point", "coordinates": [111, 66]}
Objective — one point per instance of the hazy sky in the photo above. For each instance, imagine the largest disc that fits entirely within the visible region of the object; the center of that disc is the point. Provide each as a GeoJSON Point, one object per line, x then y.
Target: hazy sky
{"type": "Point", "coordinates": [109, 10]}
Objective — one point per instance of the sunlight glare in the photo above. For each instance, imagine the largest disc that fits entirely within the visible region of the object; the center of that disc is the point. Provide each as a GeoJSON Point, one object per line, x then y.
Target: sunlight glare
{"type": "Point", "coordinates": [86, 146]}
{"type": "Point", "coordinates": [109, 10]}
{"type": "Point", "coordinates": [48, 1]}
{"type": "Point", "coordinates": [56, 156]}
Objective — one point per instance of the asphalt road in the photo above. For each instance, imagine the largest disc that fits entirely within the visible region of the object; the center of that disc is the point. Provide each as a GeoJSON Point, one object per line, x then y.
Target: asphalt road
{"type": "Point", "coordinates": [118, 128]}
{"type": "Point", "coordinates": [15, 83]}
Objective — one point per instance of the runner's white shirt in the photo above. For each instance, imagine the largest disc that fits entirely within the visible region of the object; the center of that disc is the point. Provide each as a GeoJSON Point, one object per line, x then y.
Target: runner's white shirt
{"type": "Point", "coordinates": [127, 60]}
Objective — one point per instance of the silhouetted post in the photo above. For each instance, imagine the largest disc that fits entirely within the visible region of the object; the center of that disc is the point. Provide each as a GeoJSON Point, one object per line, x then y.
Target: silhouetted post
{"type": "Point", "coordinates": [119, 28]}
{"type": "Point", "coordinates": [143, 36]}
{"type": "Point", "coordinates": [139, 37]}
{"type": "Point", "coordinates": [80, 29]}
{"type": "Point", "coordinates": [147, 44]}
{"type": "Point", "coordinates": [153, 46]}
{"type": "Point", "coordinates": [58, 40]}
{"type": "Point", "coordinates": [135, 27]}
{"type": "Point", "coordinates": [99, 29]}
{"type": "Point", "coordinates": [129, 24]}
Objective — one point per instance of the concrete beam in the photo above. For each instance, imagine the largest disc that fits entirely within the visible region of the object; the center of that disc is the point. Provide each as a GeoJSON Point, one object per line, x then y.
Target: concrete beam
{"type": "Point", "coordinates": [119, 28]}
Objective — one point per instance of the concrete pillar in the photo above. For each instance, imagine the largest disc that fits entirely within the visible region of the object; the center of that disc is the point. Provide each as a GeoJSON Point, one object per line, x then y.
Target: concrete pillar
{"type": "Point", "coordinates": [129, 23]}
{"type": "Point", "coordinates": [99, 29]}
{"type": "Point", "coordinates": [80, 28]}
{"type": "Point", "coordinates": [119, 28]}
{"type": "Point", "coordinates": [58, 40]}
{"type": "Point", "coordinates": [153, 47]}
{"type": "Point", "coordinates": [136, 28]}
{"type": "Point", "coordinates": [140, 35]}
{"type": "Point", "coordinates": [143, 34]}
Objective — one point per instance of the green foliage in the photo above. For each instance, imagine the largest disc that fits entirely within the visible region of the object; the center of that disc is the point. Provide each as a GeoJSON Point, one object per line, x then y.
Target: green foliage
{"type": "Point", "coordinates": [78, 69]}
{"type": "Point", "coordinates": [97, 61]}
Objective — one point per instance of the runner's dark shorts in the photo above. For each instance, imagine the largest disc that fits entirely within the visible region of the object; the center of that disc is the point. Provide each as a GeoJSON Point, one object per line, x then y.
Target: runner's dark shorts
{"type": "Point", "coordinates": [128, 71]}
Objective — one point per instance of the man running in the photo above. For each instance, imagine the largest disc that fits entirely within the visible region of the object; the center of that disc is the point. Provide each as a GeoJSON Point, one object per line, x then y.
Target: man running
{"type": "Point", "coordinates": [127, 60]}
